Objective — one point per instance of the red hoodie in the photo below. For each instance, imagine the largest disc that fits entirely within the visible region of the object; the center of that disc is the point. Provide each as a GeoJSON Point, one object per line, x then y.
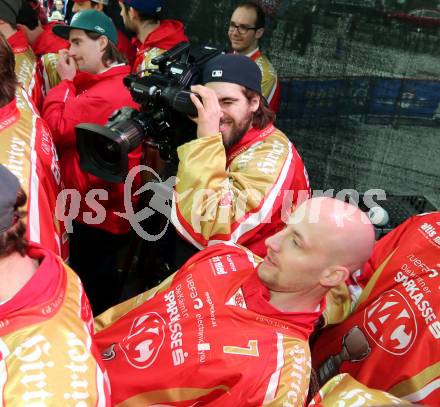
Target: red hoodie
{"type": "Point", "coordinates": [90, 98]}
{"type": "Point", "coordinates": [166, 36]}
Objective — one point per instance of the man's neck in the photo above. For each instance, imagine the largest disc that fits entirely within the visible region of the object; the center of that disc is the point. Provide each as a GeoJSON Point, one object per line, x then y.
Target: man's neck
{"type": "Point", "coordinates": [145, 29]}
{"type": "Point", "coordinates": [33, 35]}
{"type": "Point", "coordinates": [15, 272]}
{"type": "Point", "coordinates": [110, 66]}
{"type": "Point", "coordinates": [298, 301]}
{"type": "Point", "coordinates": [248, 50]}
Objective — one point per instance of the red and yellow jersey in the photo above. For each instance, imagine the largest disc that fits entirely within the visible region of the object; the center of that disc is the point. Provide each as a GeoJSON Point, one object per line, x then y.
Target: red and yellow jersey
{"type": "Point", "coordinates": [270, 86]}
{"type": "Point", "coordinates": [26, 67]}
{"type": "Point", "coordinates": [343, 390]}
{"type": "Point", "coordinates": [391, 339]}
{"type": "Point", "coordinates": [196, 339]}
{"type": "Point", "coordinates": [28, 152]}
{"type": "Point", "coordinates": [143, 61]}
{"type": "Point", "coordinates": [47, 353]}
{"type": "Point", "coordinates": [167, 35]}
{"type": "Point", "coordinates": [243, 195]}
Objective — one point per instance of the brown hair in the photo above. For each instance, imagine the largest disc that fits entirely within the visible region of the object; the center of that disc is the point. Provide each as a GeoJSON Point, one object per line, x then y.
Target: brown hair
{"type": "Point", "coordinates": [8, 82]}
{"type": "Point", "coordinates": [264, 114]}
{"type": "Point", "coordinates": [13, 240]}
{"type": "Point", "coordinates": [111, 53]}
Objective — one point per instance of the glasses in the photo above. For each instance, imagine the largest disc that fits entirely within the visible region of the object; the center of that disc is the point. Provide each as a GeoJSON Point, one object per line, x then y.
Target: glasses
{"type": "Point", "coordinates": [241, 29]}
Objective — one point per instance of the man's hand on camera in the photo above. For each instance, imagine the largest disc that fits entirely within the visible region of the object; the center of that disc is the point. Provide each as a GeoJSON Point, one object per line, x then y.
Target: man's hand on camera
{"type": "Point", "coordinates": [208, 111]}
{"type": "Point", "coordinates": [66, 67]}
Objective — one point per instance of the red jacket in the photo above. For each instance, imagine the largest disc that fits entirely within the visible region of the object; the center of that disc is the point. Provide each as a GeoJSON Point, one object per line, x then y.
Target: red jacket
{"type": "Point", "coordinates": [26, 67]}
{"type": "Point", "coordinates": [163, 38]}
{"type": "Point", "coordinates": [89, 99]}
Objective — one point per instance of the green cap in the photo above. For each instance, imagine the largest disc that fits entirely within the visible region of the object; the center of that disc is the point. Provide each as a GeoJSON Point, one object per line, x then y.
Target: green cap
{"type": "Point", "coordinates": [89, 20]}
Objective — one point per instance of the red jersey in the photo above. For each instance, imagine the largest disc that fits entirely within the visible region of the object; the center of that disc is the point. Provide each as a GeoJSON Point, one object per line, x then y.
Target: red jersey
{"type": "Point", "coordinates": [26, 67]}
{"type": "Point", "coordinates": [207, 335]}
{"type": "Point", "coordinates": [391, 340]}
{"type": "Point", "coordinates": [246, 193]}
{"type": "Point", "coordinates": [270, 85]}
{"type": "Point", "coordinates": [47, 353]}
{"type": "Point", "coordinates": [27, 150]}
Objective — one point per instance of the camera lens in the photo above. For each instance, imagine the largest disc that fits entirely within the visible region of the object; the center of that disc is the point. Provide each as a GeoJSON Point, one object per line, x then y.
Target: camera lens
{"type": "Point", "coordinates": [107, 150]}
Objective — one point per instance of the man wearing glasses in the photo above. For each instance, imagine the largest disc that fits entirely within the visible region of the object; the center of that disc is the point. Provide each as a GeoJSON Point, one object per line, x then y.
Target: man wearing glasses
{"type": "Point", "coordinates": [245, 30]}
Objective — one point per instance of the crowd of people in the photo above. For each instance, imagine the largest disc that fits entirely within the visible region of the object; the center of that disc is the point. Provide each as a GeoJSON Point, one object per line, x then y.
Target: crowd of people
{"type": "Point", "coordinates": [284, 299]}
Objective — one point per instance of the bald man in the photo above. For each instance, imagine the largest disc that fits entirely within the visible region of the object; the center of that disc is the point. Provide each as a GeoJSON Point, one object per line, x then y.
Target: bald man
{"type": "Point", "coordinates": [231, 329]}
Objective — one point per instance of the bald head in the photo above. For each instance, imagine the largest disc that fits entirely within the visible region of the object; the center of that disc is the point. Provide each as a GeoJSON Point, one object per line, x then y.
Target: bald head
{"type": "Point", "coordinates": [341, 229]}
{"type": "Point", "coordinates": [324, 241]}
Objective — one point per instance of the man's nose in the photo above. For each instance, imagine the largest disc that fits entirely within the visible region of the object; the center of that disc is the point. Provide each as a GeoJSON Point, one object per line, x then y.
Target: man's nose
{"type": "Point", "coordinates": [274, 242]}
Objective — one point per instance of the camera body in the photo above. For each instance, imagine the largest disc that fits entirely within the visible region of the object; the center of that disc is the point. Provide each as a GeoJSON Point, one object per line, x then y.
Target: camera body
{"type": "Point", "coordinates": [165, 104]}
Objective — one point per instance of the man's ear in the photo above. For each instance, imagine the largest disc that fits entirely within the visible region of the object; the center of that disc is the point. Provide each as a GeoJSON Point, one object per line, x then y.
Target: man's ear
{"type": "Point", "coordinates": [132, 13]}
{"type": "Point", "coordinates": [259, 33]}
{"type": "Point", "coordinates": [255, 103]}
{"type": "Point", "coordinates": [103, 42]}
{"type": "Point", "coordinates": [333, 276]}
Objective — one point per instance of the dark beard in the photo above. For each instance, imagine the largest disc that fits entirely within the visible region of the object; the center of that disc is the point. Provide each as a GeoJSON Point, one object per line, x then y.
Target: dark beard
{"type": "Point", "coordinates": [238, 132]}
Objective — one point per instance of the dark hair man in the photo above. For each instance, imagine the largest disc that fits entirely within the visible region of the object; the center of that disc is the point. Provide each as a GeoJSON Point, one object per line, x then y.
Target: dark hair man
{"type": "Point", "coordinates": [153, 35]}
{"type": "Point", "coordinates": [245, 30]}
{"type": "Point", "coordinates": [26, 66]}
{"type": "Point", "coordinates": [124, 44]}
{"type": "Point", "coordinates": [229, 329]}
{"type": "Point", "coordinates": [47, 349]}
{"type": "Point", "coordinates": [390, 341]}
{"type": "Point", "coordinates": [26, 148]}
{"type": "Point", "coordinates": [91, 89]}
{"type": "Point", "coordinates": [240, 178]}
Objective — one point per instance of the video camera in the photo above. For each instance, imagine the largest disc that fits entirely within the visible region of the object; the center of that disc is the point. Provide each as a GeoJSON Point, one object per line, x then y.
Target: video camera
{"type": "Point", "coordinates": [164, 97]}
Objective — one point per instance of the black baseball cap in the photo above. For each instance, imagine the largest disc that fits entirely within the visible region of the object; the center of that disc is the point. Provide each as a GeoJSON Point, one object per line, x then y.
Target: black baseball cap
{"type": "Point", "coordinates": [9, 187]}
{"type": "Point", "coordinates": [9, 10]}
{"type": "Point", "coordinates": [233, 68]}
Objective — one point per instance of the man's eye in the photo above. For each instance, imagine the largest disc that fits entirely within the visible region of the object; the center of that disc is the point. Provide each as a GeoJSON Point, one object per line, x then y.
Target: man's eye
{"type": "Point", "coordinates": [294, 242]}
